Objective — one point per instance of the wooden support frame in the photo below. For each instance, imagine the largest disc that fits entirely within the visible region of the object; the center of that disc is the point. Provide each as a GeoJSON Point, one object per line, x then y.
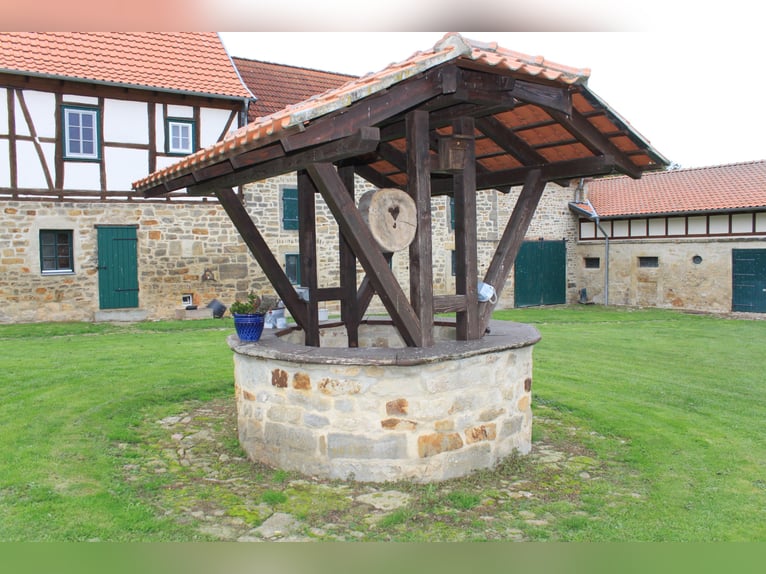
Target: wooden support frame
{"type": "Point", "coordinates": [351, 313]}
{"type": "Point", "coordinates": [307, 248]}
{"type": "Point", "coordinates": [419, 188]}
{"type": "Point", "coordinates": [466, 257]}
{"type": "Point", "coordinates": [513, 236]}
{"type": "Point", "coordinates": [260, 250]}
{"type": "Point", "coordinates": [356, 232]}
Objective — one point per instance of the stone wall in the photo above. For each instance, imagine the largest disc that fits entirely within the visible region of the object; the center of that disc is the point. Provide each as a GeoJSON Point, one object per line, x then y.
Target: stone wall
{"type": "Point", "coordinates": [180, 243]}
{"type": "Point", "coordinates": [678, 282]}
{"type": "Point", "coordinates": [386, 414]}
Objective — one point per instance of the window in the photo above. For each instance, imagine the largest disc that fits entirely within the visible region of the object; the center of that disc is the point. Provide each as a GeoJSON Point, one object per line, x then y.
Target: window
{"type": "Point", "coordinates": [81, 133]}
{"type": "Point", "coordinates": [592, 262]}
{"type": "Point", "coordinates": [648, 262]}
{"type": "Point", "coordinates": [293, 268]}
{"type": "Point", "coordinates": [56, 251]}
{"type": "Point", "coordinates": [180, 136]}
{"type": "Point", "coordinates": [289, 208]}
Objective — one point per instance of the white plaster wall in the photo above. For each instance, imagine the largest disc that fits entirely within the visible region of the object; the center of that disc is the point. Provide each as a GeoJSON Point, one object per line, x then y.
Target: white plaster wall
{"type": "Point", "coordinates": [4, 111]}
{"type": "Point", "coordinates": [82, 175]}
{"type": "Point", "coordinates": [73, 99]}
{"type": "Point", "coordinates": [5, 164]}
{"type": "Point", "coordinates": [124, 166]}
{"type": "Point", "coordinates": [30, 171]}
{"type": "Point", "coordinates": [126, 122]}
{"type": "Point", "coordinates": [42, 110]}
{"type": "Point", "coordinates": [213, 122]}
{"type": "Point", "coordinates": [180, 112]}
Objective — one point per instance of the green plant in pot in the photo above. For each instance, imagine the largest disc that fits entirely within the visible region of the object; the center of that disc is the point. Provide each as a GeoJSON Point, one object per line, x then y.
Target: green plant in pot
{"type": "Point", "coordinates": [249, 315]}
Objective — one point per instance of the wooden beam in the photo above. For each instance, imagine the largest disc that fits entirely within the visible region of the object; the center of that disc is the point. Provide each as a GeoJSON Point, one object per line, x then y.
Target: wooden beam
{"type": "Point", "coordinates": [510, 243]}
{"type": "Point", "coordinates": [571, 169]}
{"type": "Point", "coordinates": [369, 111]}
{"type": "Point", "coordinates": [579, 126]}
{"type": "Point", "coordinates": [495, 130]}
{"type": "Point", "coordinates": [362, 141]}
{"type": "Point", "coordinates": [449, 303]}
{"type": "Point", "coordinates": [349, 309]}
{"type": "Point", "coordinates": [419, 188]}
{"type": "Point", "coordinates": [549, 97]}
{"type": "Point", "coordinates": [375, 178]}
{"type": "Point", "coordinates": [263, 255]}
{"type": "Point", "coordinates": [466, 257]}
{"type": "Point", "coordinates": [366, 249]}
{"type": "Point", "coordinates": [307, 248]}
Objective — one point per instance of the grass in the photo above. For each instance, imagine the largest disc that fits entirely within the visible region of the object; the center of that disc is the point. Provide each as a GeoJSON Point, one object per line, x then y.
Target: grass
{"type": "Point", "coordinates": [660, 417]}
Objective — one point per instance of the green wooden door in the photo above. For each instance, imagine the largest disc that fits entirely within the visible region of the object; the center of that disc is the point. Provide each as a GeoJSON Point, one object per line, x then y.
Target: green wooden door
{"type": "Point", "coordinates": [748, 280]}
{"type": "Point", "coordinates": [540, 273]}
{"type": "Point", "coordinates": [117, 267]}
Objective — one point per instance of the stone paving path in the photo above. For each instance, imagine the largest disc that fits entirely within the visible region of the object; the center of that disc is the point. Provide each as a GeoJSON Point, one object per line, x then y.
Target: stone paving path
{"type": "Point", "coordinates": [207, 482]}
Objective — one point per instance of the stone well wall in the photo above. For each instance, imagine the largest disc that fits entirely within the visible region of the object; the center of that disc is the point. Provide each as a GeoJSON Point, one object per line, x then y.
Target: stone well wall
{"type": "Point", "coordinates": [386, 413]}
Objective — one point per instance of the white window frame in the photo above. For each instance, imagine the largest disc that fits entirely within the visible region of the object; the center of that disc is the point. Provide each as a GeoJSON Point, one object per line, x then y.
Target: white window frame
{"type": "Point", "coordinates": [69, 113]}
{"type": "Point", "coordinates": [189, 137]}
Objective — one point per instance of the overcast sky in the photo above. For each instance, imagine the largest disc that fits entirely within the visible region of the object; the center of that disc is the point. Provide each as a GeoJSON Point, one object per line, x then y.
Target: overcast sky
{"type": "Point", "coordinates": [696, 96]}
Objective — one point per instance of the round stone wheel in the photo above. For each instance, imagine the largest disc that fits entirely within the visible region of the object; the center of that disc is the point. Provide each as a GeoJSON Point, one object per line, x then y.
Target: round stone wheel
{"type": "Point", "coordinates": [391, 216]}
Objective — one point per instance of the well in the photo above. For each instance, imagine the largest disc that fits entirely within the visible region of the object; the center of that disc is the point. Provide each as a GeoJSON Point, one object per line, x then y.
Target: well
{"type": "Point", "coordinates": [384, 411]}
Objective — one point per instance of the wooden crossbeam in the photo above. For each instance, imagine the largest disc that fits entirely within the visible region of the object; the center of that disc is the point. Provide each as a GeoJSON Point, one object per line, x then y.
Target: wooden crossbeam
{"type": "Point", "coordinates": [362, 141]}
{"type": "Point", "coordinates": [367, 251]}
{"type": "Point", "coordinates": [510, 243]}
{"type": "Point", "coordinates": [263, 255]}
{"type": "Point", "coordinates": [350, 312]}
{"type": "Point", "coordinates": [509, 141]}
{"type": "Point", "coordinates": [579, 126]}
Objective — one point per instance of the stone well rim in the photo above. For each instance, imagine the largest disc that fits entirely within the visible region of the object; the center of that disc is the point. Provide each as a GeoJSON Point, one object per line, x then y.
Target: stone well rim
{"type": "Point", "coordinates": [502, 335]}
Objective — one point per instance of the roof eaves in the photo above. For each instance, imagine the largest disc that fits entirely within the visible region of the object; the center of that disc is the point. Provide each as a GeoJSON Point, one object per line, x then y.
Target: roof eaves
{"type": "Point", "coordinates": [124, 85]}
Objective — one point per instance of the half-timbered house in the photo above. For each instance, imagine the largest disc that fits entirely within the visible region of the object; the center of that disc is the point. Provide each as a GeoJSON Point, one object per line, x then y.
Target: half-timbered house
{"type": "Point", "coordinates": [82, 115]}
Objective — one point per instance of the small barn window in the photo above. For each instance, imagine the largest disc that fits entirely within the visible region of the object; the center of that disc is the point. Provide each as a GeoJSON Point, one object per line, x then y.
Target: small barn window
{"type": "Point", "coordinates": [592, 262]}
{"type": "Point", "coordinates": [648, 262]}
{"type": "Point", "coordinates": [293, 268]}
{"type": "Point", "coordinates": [81, 140]}
{"type": "Point", "coordinates": [56, 251]}
{"type": "Point", "coordinates": [290, 208]}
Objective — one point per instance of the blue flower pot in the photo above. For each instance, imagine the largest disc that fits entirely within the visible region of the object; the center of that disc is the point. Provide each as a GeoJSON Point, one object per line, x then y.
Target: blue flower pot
{"type": "Point", "coordinates": [249, 327]}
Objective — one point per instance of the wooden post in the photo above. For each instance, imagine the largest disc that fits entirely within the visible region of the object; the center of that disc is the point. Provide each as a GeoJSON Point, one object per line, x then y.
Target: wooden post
{"type": "Point", "coordinates": [419, 188]}
{"type": "Point", "coordinates": [466, 257]}
{"type": "Point", "coordinates": [515, 230]}
{"type": "Point", "coordinates": [308, 254]}
{"type": "Point", "coordinates": [349, 309]}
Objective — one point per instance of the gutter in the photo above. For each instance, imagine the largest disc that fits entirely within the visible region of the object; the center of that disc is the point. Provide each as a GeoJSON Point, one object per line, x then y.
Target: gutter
{"type": "Point", "coordinates": [594, 216]}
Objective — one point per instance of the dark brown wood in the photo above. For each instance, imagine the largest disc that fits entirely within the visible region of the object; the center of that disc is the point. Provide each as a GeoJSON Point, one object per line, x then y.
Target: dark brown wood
{"type": "Point", "coordinates": [11, 107]}
{"type": "Point", "coordinates": [419, 188]}
{"type": "Point", "coordinates": [102, 163]}
{"type": "Point", "coordinates": [369, 111]}
{"type": "Point", "coordinates": [598, 165]}
{"type": "Point", "coordinates": [352, 225]}
{"type": "Point", "coordinates": [597, 142]}
{"type": "Point", "coordinates": [362, 141]}
{"type": "Point", "coordinates": [349, 308]}
{"type": "Point", "coordinates": [375, 178]}
{"type": "Point", "coordinates": [509, 141]}
{"type": "Point", "coordinates": [549, 97]}
{"type": "Point", "coordinates": [260, 250]}
{"type": "Point", "coordinates": [510, 243]}
{"type": "Point", "coordinates": [151, 117]}
{"type": "Point", "coordinates": [307, 247]}
{"type": "Point", "coordinates": [466, 257]}
{"type": "Point", "coordinates": [449, 303]}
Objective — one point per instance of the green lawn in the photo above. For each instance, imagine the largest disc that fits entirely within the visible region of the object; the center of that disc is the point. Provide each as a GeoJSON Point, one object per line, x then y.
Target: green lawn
{"type": "Point", "coordinates": [670, 405]}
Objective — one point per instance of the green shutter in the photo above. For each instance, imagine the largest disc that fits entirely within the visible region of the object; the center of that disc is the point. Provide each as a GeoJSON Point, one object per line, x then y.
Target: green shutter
{"type": "Point", "coordinates": [290, 208]}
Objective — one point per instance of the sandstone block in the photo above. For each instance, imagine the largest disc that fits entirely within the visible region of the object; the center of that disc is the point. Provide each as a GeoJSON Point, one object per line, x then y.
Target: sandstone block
{"type": "Point", "coordinates": [397, 407]}
{"type": "Point", "coordinates": [480, 433]}
{"type": "Point", "coordinates": [398, 424]}
{"type": "Point", "coordinates": [355, 446]}
{"type": "Point", "coordinates": [278, 435]}
{"type": "Point", "coordinates": [432, 444]}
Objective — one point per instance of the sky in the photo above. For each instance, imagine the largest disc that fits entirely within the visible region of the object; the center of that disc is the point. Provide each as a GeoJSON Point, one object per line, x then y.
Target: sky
{"type": "Point", "coordinates": [695, 95]}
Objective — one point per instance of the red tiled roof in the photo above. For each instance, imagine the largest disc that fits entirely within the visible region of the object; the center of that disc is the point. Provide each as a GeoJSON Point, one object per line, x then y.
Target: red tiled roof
{"type": "Point", "coordinates": [716, 188]}
{"type": "Point", "coordinates": [189, 62]}
{"type": "Point", "coordinates": [532, 123]}
{"type": "Point", "coordinates": [277, 86]}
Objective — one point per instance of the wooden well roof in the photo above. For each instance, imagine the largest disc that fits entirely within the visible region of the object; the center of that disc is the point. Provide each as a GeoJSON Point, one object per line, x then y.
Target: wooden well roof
{"type": "Point", "coordinates": [528, 112]}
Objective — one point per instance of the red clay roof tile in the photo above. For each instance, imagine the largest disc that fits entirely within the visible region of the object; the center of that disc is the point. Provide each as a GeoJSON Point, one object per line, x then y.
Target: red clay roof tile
{"type": "Point", "coordinates": [277, 86]}
{"type": "Point", "coordinates": [189, 62]}
{"type": "Point", "coordinates": [716, 188]}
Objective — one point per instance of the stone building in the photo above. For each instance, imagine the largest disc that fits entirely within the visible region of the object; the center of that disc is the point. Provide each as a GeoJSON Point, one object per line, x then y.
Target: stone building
{"type": "Point", "coordinates": [688, 239]}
